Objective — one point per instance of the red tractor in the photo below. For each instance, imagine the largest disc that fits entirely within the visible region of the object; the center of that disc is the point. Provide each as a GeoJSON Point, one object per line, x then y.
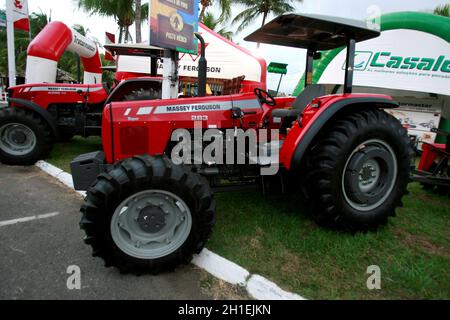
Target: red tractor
{"type": "Point", "coordinates": [42, 112]}
{"type": "Point", "coordinates": [145, 212]}
{"type": "Point", "coordinates": [38, 115]}
{"type": "Point", "coordinates": [433, 171]}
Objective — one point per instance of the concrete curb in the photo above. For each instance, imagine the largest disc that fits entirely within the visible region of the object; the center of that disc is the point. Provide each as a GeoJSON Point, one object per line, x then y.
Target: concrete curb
{"type": "Point", "coordinates": [262, 289]}
{"type": "Point", "coordinates": [62, 176]}
{"type": "Point", "coordinates": [257, 287]}
{"type": "Point", "coordinates": [221, 268]}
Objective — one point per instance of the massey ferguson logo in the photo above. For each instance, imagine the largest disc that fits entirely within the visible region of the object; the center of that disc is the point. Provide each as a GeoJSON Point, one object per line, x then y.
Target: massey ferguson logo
{"type": "Point", "coordinates": [18, 4]}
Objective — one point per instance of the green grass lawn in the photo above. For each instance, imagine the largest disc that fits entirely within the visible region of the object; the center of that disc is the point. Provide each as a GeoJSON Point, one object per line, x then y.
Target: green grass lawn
{"type": "Point", "coordinates": [273, 237]}
{"type": "Point", "coordinates": [63, 153]}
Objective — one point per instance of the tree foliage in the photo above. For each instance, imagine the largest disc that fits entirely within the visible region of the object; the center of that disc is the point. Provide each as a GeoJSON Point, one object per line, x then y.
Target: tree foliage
{"type": "Point", "coordinates": [214, 23]}
{"type": "Point", "coordinates": [225, 8]}
{"type": "Point", "coordinates": [123, 11]}
{"type": "Point", "coordinates": [443, 10]}
{"type": "Point", "coordinates": [255, 8]}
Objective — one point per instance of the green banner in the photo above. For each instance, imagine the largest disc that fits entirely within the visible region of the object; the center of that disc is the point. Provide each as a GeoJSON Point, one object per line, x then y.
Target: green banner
{"type": "Point", "coordinates": [278, 68]}
{"type": "Point", "coordinates": [2, 19]}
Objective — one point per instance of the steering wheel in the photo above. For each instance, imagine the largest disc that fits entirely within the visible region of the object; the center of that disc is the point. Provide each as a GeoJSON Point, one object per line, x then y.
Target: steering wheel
{"type": "Point", "coordinates": [265, 97]}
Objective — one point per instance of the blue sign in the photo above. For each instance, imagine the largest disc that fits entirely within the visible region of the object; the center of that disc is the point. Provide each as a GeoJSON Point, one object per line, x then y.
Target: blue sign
{"type": "Point", "coordinates": [173, 24]}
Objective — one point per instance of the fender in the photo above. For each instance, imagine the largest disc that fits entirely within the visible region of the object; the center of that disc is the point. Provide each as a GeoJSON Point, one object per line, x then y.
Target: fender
{"type": "Point", "coordinates": [25, 104]}
{"type": "Point", "coordinates": [321, 119]}
{"type": "Point", "coordinates": [130, 82]}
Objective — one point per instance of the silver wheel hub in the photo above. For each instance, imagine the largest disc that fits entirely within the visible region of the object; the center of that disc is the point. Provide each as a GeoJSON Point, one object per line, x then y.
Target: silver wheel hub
{"type": "Point", "coordinates": [152, 219]}
{"type": "Point", "coordinates": [151, 224]}
{"type": "Point", "coordinates": [370, 175]}
{"type": "Point", "coordinates": [17, 139]}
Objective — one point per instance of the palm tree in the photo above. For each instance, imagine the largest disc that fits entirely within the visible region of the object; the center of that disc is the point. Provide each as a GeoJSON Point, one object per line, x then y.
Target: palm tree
{"type": "Point", "coordinates": [443, 10]}
{"type": "Point", "coordinates": [38, 20]}
{"type": "Point", "coordinates": [122, 10]}
{"type": "Point", "coordinates": [213, 23]}
{"type": "Point", "coordinates": [264, 7]}
{"type": "Point", "coordinates": [225, 9]}
{"type": "Point", "coordinates": [138, 20]}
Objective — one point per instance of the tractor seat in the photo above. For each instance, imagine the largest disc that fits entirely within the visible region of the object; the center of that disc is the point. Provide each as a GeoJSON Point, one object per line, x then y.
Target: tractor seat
{"type": "Point", "coordinates": [311, 92]}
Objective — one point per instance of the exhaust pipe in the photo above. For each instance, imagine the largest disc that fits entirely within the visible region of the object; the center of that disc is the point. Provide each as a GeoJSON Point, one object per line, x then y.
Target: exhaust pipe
{"type": "Point", "coordinates": [202, 68]}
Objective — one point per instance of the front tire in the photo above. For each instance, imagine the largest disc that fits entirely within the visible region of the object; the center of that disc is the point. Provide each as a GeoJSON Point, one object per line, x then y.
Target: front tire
{"type": "Point", "coordinates": [25, 138]}
{"type": "Point", "coordinates": [147, 215]}
{"type": "Point", "coordinates": [359, 171]}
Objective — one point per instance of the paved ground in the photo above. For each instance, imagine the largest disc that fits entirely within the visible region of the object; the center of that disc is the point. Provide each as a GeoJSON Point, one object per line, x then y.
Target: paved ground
{"type": "Point", "coordinates": [35, 255]}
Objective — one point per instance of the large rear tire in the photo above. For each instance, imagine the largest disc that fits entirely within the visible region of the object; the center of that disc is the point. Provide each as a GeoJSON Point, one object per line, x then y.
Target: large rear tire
{"type": "Point", "coordinates": [147, 215]}
{"type": "Point", "coordinates": [24, 137]}
{"type": "Point", "coordinates": [359, 171]}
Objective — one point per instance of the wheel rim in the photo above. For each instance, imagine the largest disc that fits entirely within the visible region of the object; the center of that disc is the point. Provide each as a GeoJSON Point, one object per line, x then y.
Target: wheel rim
{"type": "Point", "coordinates": [17, 139]}
{"type": "Point", "coordinates": [151, 224]}
{"type": "Point", "coordinates": [370, 175]}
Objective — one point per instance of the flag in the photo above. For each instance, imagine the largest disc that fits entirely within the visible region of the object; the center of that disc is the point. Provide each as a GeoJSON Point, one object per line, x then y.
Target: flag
{"type": "Point", "coordinates": [110, 39]}
{"type": "Point", "coordinates": [20, 14]}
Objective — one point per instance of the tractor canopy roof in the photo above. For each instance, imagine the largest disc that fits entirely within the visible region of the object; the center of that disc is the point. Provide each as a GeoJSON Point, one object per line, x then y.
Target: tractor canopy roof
{"type": "Point", "coordinates": [312, 31]}
{"type": "Point", "coordinates": [135, 50]}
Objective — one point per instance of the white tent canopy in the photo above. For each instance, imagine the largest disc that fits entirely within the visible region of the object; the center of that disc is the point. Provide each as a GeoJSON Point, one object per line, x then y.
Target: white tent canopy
{"type": "Point", "coordinates": [226, 60]}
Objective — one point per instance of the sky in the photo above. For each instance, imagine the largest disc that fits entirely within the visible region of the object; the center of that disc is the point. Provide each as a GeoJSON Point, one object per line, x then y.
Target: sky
{"type": "Point", "coordinates": [68, 12]}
